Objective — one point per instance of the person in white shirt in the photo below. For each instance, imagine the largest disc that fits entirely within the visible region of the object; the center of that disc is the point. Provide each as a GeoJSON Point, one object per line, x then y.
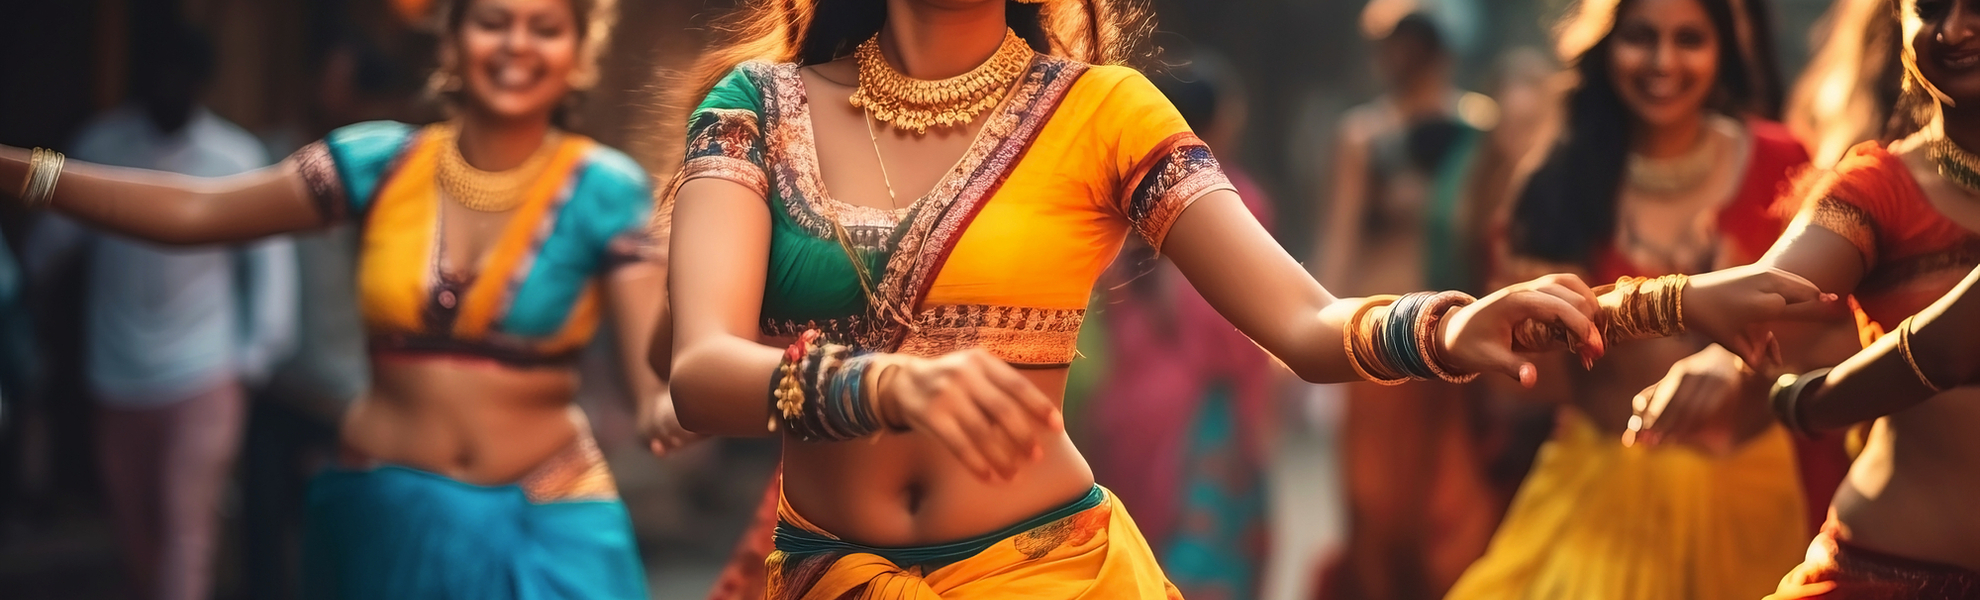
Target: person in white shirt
{"type": "Point", "coordinates": [173, 336]}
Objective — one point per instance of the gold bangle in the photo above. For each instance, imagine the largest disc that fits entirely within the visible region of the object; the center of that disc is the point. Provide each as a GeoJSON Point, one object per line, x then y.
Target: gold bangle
{"type": "Point", "coordinates": [1349, 339]}
{"type": "Point", "coordinates": [1904, 347]}
{"type": "Point", "coordinates": [44, 169]}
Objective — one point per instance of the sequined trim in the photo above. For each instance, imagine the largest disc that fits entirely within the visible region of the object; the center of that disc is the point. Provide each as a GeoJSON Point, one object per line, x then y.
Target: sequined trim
{"type": "Point", "coordinates": [577, 473]}
{"type": "Point", "coordinates": [1017, 335]}
{"type": "Point", "coordinates": [1173, 175]}
{"type": "Point", "coordinates": [1851, 222]}
{"type": "Point", "coordinates": [724, 143]}
{"type": "Point", "coordinates": [936, 226]}
{"type": "Point", "coordinates": [319, 175]}
{"type": "Point", "coordinates": [1014, 334]}
{"type": "Point", "coordinates": [792, 150]}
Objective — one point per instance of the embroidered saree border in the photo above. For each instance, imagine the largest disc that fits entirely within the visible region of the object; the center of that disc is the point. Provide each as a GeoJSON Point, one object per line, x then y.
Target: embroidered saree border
{"type": "Point", "coordinates": [1173, 175]}
{"type": "Point", "coordinates": [937, 226]}
{"type": "Point", "coordinates": [1013, 334]}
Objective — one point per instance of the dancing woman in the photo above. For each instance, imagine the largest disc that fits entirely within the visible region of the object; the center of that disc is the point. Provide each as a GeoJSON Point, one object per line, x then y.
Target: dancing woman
{"type": "Point", "coordinates": [1657, 170]}
{"type": "Point", "coordinates": [1893, 227]}
{"type": "Point", "coordinates": [912, 200]}
{"type": "Point", "coordinates": [492, 244]}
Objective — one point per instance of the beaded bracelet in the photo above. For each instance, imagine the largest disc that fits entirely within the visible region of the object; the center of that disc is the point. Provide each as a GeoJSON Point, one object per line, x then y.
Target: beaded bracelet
{"type": "Point", "coordinates": [821, 392]}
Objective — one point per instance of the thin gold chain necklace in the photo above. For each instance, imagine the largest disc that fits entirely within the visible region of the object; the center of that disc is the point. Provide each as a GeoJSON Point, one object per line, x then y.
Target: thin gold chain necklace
{"type": "Point", "coordinates": [488, 191]}
{"type": "Point", "coordinates": [916, 105]}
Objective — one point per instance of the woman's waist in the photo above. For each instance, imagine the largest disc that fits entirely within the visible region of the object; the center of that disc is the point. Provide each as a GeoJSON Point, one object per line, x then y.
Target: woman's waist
{"type": "Point", "coordinates": [908, 490]}
{"type": "Point", "coordinates": [478, 435]}
{"type": "Point", "coordinates": [576, 470]}
{"type": "Point", "coordinates": [1912, 490]}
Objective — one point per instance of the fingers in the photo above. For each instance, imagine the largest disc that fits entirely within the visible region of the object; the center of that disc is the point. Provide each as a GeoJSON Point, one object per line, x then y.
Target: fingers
{"type": "Point", "coordinates": [1508, 363]}
{"type": "Point", "coordinates": [961, 443]}
{"type": "Point", "coordinates": [1009, 437]}
{"type": "Point", "coordinates": [1549, 308]}
{"type": "Point", "coordinates": [1573, 290]}
{"type": "Point", "coordinates": [1793, 288]}
{"type": "Point", "coordinates": [1032, 400]}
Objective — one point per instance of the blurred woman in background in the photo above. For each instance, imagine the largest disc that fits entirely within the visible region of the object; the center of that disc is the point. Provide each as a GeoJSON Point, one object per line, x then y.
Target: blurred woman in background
{"type": "Point", "coordinates": [491, 245]}
{"type": "Point", "coordinates": [1661, 166]}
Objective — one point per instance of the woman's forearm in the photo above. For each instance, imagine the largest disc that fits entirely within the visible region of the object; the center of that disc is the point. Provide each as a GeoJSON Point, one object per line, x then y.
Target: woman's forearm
{"type": "Point", "coordinates": [170, 208]}
{"type": "Point", "coordinates": [1881, 380]}
{"type": "Point", "coordinates": [722, 386]}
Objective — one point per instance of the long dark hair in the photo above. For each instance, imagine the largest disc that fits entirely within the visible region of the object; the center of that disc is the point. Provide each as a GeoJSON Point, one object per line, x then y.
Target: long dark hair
{"type": "Point", "coordinates": [1567, 208]}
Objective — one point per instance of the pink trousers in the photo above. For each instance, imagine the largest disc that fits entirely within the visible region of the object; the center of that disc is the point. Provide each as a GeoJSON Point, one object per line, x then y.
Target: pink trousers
{"type": "Point", "coordinates": [164, 470]}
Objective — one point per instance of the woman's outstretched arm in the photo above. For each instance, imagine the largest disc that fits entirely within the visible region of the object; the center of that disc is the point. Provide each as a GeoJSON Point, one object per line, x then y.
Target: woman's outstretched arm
{"type": "Point", "coordinates": [175, 209]}
{"type": "Point", "coordinates": [1881, 380]}
{"type": "Point", "coordinates": [1251, 280]}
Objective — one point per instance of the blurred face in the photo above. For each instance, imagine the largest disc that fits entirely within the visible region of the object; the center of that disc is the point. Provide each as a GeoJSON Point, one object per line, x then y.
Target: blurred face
{"type": "Point", "coordinates": [1948, 47]}
{"type": "Point", "coordinates": [515, 57]}
{"type": "Point", "coordinates": [1664, 60]}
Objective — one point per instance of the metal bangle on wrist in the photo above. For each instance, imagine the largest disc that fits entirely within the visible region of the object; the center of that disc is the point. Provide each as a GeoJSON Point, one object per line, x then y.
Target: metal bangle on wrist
{"type": "Point", "coordinates": [44, 170]}
{"type": "Point", "coordinates": [1785, 398]}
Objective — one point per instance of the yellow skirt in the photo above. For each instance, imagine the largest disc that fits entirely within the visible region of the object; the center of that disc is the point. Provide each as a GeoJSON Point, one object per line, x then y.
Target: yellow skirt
{"type": "Point", "coordinates": [1090, 549]}
{"type": "Point", "coordinates": [1595, 520]}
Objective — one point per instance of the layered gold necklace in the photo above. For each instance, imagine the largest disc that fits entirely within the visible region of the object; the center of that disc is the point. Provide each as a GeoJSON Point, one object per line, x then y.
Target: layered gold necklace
{"type": "Point", "coordinates": [1956, 164]}
{"type": "Point", "coordinates": [488, 191]}
{"type": "Point", "coordinates": [916, 105]}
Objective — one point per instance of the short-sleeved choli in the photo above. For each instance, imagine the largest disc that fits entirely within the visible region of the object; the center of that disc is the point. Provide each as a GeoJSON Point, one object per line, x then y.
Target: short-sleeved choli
{"type": "Point", "coordinates": [1003, 253]}
{"type": "Point", "coordinates": [533, 298]}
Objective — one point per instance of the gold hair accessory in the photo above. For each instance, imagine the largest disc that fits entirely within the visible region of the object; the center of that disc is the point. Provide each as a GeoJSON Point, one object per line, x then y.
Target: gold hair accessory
{"type": "Point", "coordinates": [916, 105]}
{"type": "Point", "coordinates": [44, 168]}
{"type": "Point", "coordinates": [1956, 164]}
{"type": "Point", "coordinates": [487, 191]}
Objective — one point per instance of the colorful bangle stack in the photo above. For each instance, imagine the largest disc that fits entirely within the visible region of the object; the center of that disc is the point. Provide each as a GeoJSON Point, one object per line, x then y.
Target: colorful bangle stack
{"type": "Point", "coordinates": [1391, 340]}
{"type": "Point", "coordinates": [1642, 308]}
{"type": "Point", "coordinates": [821, 393]}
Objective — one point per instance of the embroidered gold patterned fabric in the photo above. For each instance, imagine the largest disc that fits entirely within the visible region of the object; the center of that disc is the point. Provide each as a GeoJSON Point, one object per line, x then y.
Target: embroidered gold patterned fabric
{"type": "Point", "coordinates": [577, 473]}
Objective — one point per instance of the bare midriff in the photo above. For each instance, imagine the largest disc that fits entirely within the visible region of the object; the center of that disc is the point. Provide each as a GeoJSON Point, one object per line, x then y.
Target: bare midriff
{"type": "Point", "coordinates": [473, 420]}
{"type": "Point", "coordinates": [1912, 491]}
{"type": "Point", "coordinates": [902, 490]}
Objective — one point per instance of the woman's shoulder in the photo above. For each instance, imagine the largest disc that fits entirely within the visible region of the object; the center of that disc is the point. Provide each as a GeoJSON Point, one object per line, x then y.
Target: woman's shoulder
{"type": "Point", "coordinates": [371, 132]}
{"type": "Point", "coordinates": [615, 176]}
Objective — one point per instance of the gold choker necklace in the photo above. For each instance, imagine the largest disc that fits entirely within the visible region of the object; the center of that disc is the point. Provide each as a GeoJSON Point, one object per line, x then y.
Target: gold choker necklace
{"type": "Point", "coordinates": [916, 105]}
{"type": "Point", "coordinates": [1956, 164]}
{"type": "Point", "coordinates": [1677, 174]}
{"type": "Point", "coordinates": [487, 191]}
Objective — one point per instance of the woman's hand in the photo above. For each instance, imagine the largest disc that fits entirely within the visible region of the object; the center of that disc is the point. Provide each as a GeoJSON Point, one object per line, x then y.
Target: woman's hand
{"type": "Point", "coordinates": [1710, 400]}
{"type": "Point", "coordinates": [990, 416]}
{"type": "Point", "coordinates": [662, 426]}
{"type": "Point", "coordinates": [1479, 338]}
{"type": "Point", "coordinates": [1733, 306]}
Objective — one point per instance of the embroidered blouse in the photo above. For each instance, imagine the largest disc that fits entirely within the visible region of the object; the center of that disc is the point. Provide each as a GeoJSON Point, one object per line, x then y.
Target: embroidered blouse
{"type": "Point", "coordinates": [1002, 253]}
{"type": "Point", "coordinates": [1912, 255]}
{"type": "Point", "coordinates": [532, 297]}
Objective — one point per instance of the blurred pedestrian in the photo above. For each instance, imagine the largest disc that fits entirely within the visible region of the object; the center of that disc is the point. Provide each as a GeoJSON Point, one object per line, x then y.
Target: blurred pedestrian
{"type": "Point", "coordinates": [1178, 426]}
{"type": "Point", "coordinates": [175, 337]}
{"type": "Point", "coordinates": [1418, 506]}
{"type": "Point", "coordinates": [492, 246]}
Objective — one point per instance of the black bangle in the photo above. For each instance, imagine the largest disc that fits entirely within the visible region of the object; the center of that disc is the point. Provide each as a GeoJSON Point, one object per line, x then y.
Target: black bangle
{"type": "Point", "coordinates": [1785, 398]}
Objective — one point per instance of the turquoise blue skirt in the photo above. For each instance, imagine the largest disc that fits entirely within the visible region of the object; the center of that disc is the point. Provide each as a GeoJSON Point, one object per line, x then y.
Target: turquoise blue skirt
{"type": "Point", "coordinates": [396, 532]}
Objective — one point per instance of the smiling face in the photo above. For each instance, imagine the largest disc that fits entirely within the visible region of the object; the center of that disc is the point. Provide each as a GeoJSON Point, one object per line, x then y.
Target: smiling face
{"type": "Point", "coordinates": [1946, 38]}
{"type": "Point", "coordinates": [1664, 60]}
{"type": "Point", "coordinates": [516, 58]}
